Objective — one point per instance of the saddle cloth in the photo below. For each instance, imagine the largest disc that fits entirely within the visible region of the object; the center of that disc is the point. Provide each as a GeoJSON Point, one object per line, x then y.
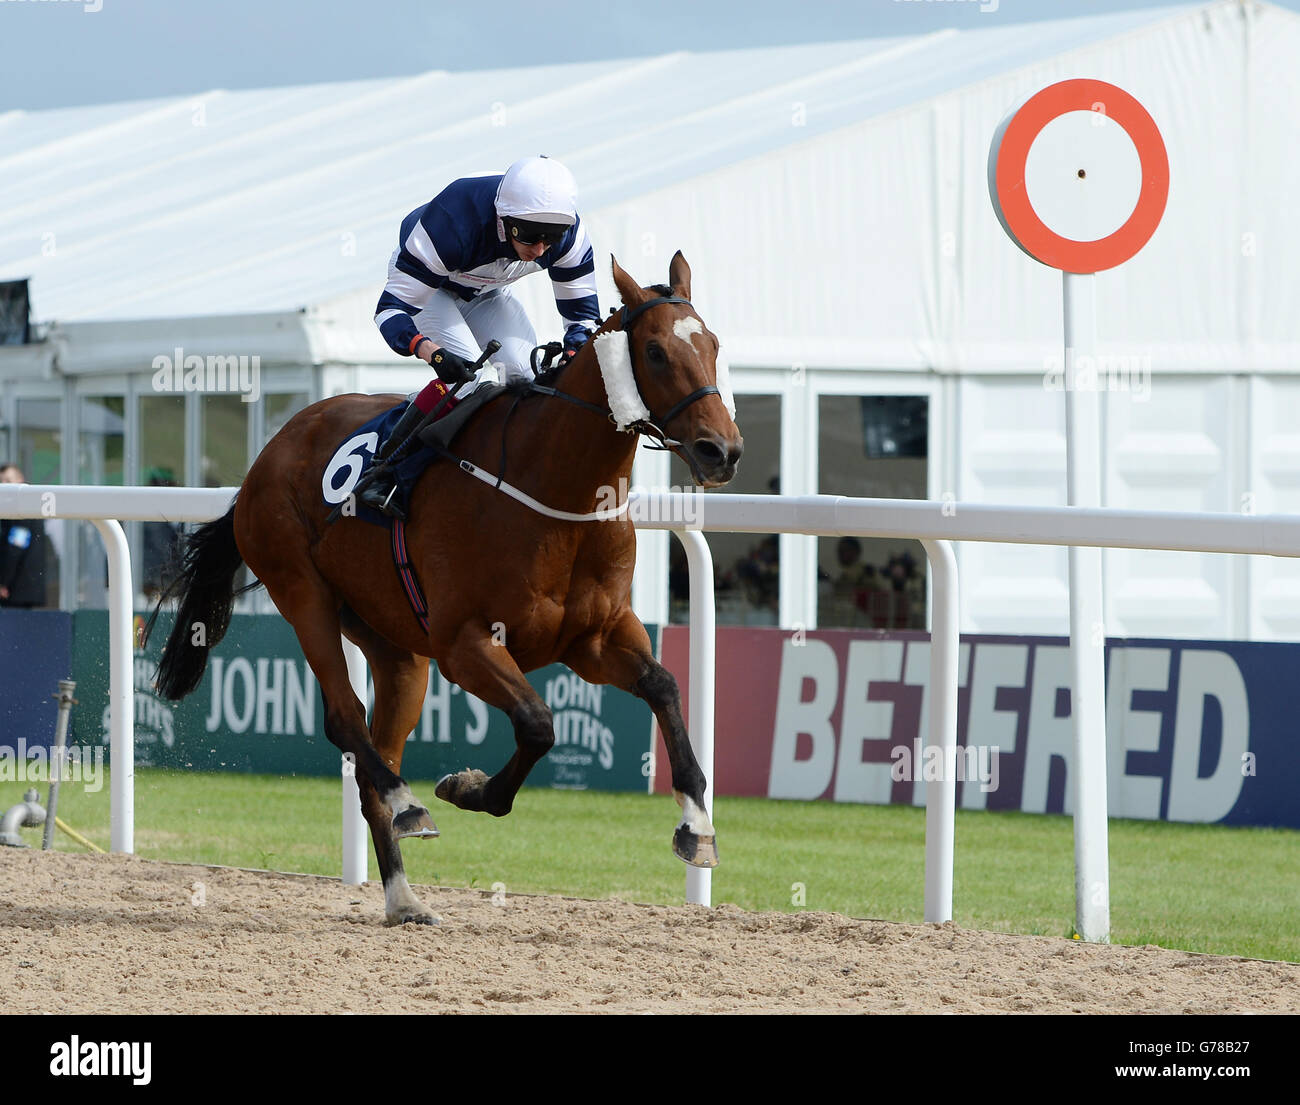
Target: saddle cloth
{"type": "Point", "coordinates": [408, 471]}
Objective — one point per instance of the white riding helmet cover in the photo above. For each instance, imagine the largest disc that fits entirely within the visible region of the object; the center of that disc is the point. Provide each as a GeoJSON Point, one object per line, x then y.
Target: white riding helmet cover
{"type": "Point", "coordinates": [538, 189]}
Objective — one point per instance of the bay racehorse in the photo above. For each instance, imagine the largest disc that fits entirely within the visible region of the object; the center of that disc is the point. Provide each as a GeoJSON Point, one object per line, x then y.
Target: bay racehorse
{"type": "Point", "coordinates": [509, 589]}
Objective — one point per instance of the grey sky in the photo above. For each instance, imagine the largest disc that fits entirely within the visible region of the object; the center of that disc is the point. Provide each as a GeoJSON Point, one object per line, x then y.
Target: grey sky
{"type": "Point", "coordinates": [56, 53]}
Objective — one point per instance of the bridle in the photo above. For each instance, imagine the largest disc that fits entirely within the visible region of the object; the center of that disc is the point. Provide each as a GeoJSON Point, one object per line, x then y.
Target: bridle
{"type": "Point", "coordinates": [655, 427]}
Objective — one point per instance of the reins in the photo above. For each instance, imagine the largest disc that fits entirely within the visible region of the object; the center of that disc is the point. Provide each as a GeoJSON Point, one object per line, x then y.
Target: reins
{"type": "Point", "coordinates": [544, 369]}
{"type": "Point", "coordinates": [655, 428]}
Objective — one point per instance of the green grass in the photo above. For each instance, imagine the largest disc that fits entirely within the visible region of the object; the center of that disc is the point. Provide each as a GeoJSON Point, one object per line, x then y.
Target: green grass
{"type": "Point", "coordinates": [1197, 887]}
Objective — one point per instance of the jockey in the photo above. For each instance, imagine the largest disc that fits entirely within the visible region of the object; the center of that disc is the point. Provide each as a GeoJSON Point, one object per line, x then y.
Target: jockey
{"type": "Point", "coordinates": [448, 290]}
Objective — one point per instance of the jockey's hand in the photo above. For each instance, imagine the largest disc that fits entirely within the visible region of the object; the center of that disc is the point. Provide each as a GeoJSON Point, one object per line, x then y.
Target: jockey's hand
{"type": "Point", "coordinates": [566, 357]}
{"type": "Point", "coordinates": [451, 369]}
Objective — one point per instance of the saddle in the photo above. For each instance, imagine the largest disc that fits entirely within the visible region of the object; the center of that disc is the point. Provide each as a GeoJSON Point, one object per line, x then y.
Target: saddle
{"type": "Point", "coordinates": [435, 439]}
{"type": "Point", "coordinates": [439, 435]}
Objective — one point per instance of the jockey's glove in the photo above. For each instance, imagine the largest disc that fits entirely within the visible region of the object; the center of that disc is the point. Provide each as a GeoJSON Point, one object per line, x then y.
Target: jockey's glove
{"type": "Point", "coordinates": [451, 369]}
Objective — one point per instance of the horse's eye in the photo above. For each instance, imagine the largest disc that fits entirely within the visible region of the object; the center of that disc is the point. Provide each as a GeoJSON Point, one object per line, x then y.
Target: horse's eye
{"type": "Point", "coordinates": [654, 353]}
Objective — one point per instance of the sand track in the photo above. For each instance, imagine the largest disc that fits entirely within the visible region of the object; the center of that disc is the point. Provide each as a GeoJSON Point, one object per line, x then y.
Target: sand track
{"type": "Point", "coordinates": [118, 934]}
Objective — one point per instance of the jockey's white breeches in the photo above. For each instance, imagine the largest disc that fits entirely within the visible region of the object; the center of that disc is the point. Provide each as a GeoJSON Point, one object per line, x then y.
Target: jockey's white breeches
{"type": "Point", "coordinates": [466, 326]}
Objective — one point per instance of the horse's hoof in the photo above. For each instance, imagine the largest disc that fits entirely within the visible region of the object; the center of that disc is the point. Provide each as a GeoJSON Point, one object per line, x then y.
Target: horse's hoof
{"type": "Point", "coordinates": [464, 790]}
{"type": "Point", "coordinates": [698, 851]}
{"type": "Point", "coordinates": [414, 821]}
{"type": "Point", "coordinates": [411, 916]}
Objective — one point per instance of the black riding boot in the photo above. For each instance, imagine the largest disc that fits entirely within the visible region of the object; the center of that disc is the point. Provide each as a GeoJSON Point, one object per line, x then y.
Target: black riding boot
{"type": "Point", "coordinates": [378, 485]}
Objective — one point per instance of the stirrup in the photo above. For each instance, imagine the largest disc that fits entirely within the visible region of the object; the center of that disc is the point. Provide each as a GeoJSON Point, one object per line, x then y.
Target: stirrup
{"type": "Point", "coordinates": [370, 496]}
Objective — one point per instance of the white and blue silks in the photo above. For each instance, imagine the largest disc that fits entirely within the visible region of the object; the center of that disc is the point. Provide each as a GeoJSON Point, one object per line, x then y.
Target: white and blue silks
{"type": "Point", "coordinates": [449, 277]}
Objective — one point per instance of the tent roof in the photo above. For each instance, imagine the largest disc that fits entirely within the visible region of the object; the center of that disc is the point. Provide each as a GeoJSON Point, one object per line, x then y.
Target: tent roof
{"type": "Point", "coordinates": [277, 200]}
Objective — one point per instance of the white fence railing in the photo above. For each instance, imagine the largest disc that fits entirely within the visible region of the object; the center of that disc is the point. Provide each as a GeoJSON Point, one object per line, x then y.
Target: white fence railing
{"type": "Point", "coordinates": [935, 524]}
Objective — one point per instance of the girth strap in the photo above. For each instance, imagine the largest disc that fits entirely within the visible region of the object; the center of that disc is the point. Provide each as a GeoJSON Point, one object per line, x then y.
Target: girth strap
{"type": "Point", "coordinates": [411, 585]}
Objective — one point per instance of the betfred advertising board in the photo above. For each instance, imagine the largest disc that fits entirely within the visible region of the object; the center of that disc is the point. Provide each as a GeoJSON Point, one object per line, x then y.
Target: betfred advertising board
{"type": "Point", "coordinates": [1197, 731]}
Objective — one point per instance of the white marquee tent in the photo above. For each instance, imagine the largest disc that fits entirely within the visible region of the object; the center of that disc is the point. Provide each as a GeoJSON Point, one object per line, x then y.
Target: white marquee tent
{"type": "Point", "coordinates": [833, 202]}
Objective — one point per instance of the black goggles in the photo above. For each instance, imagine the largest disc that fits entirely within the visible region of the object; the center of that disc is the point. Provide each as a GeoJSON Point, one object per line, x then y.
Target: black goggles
{"type": "Point", "coordinates": [529, 233]}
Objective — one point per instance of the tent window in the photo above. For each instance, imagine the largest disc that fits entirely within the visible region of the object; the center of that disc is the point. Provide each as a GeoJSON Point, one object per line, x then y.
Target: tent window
{"type": "Point", "coordinates": [876, 447]}
{"type": "Point", "coordinates": [224, 441]}
{"type": "Point", "coordinates": [279, 407]}
{"type": "Point", "coordinates": [746, 566]}
{"type": "Point", "coordinates": [15, 313]}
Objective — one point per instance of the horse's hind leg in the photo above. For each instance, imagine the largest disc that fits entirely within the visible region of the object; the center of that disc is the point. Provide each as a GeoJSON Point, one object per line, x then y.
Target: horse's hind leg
{"type": "Point", "coordinates": [309, 606]}
{"type": "Point", "coordinates": [622, 656]}
{"type": "Point", "coordinates": [485, 669]}
{"type": "Point", "coordinates": [400, 681]}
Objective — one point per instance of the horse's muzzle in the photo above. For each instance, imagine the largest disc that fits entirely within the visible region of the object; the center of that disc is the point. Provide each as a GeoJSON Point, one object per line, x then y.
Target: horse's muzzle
{"type": "Point", "coordinates": [713, 458]}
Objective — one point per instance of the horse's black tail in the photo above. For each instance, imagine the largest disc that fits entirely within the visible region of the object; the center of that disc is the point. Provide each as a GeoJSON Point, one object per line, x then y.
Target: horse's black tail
{"type": "Point", "coordinates": [205, 584]}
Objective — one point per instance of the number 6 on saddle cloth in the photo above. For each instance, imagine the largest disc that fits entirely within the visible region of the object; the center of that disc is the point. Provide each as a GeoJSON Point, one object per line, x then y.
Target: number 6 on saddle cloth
{"type": "Point", "coordinates": [353, 463]}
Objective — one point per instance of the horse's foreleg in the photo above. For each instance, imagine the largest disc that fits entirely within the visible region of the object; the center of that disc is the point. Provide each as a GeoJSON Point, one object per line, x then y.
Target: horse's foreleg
{"type": "Point", "coordinates": [622, 656]}
{"type": "Point", "coordinates": [485, 669]}
{"type": "Point", "coordinates": [400, 681]}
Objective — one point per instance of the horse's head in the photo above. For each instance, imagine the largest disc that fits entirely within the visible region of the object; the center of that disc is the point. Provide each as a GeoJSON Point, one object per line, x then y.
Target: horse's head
{"type": "Point", "coordinates": [674, 386]}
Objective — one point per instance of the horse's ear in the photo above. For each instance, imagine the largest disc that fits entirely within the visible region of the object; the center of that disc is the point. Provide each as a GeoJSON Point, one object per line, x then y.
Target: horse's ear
{"type": "Point", "coordinates": [679, 275]}
{"type": "Point", "coordinates": [628, 288]}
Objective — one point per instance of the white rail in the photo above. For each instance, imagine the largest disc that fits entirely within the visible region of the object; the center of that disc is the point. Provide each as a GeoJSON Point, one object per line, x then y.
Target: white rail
{"type": "Point", "coordinates": [106, 508]}
{"type": "Point", "coordinates": [934, 523]}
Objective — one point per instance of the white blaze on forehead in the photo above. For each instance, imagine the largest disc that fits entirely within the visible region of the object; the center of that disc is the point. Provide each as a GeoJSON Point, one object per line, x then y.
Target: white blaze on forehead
{"type": "Point", "coordinates": [684, 328]}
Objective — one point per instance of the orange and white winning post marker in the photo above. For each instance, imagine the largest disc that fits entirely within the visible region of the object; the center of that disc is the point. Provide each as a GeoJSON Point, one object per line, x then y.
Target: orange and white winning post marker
{"type": "Point", "coordinates": [1079, 177]}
